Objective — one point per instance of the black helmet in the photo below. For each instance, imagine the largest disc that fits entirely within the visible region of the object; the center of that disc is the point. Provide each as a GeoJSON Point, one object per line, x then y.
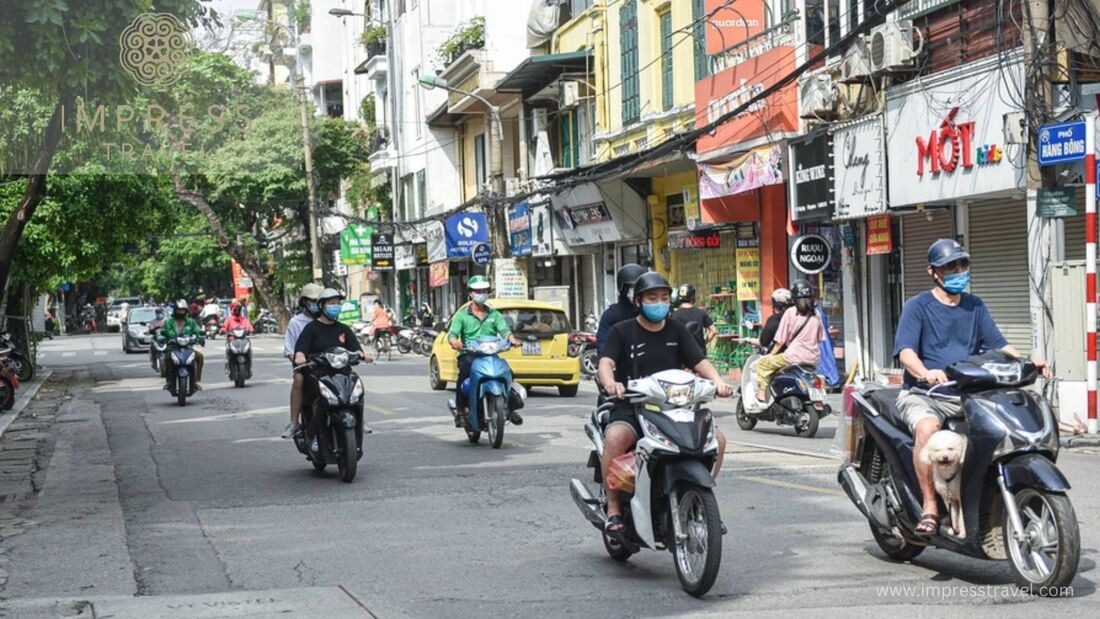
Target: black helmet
{"type": "Point", "coordinates": [650, 281]}
{"type": "Point", "coordinates": [627, 275]}
{"type": "Point", "coordinates": [687, 293]}
{"type": "Point", "coordinates": [946, 250]}
{"type": "Point", "coordinates": [800, 289]}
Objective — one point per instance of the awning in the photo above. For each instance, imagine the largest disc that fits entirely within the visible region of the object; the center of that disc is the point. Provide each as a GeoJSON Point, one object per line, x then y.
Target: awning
{"type": "Point", "coordinates": [538, 72]}
{"type": "Point", "coordinates": [441, 118]}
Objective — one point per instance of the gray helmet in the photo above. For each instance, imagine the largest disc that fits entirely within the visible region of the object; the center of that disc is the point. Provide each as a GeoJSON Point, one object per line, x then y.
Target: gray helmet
{"type": "Point", "coordinates": [944, 251]}
{"type": "Point", "coordinates": [311, 291]}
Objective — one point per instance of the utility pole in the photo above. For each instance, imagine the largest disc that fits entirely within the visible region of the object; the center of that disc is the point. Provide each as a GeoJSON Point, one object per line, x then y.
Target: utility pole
{"type": "Point", "coordinates": [307, 146]}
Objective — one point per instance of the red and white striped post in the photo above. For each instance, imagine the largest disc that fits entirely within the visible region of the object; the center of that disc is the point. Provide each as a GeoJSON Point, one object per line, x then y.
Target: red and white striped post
{"type": "Point", "coordinates": [1090, 264]}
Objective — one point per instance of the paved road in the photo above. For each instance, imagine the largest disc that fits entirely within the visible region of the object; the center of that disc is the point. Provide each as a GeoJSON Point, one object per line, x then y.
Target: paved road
{"type": "Point", "coordinates": [142, 497]}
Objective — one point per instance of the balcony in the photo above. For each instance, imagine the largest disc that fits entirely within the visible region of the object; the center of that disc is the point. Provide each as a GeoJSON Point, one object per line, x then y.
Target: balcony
{"type": "Point", "coordinates": [376, 65]}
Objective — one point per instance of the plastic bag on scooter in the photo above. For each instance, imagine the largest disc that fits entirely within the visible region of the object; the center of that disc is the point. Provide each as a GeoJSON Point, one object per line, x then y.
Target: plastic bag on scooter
{"type": "Point", "coordinates": [849, 429]}
{"type": "Point", "coordinates": [620, 475]}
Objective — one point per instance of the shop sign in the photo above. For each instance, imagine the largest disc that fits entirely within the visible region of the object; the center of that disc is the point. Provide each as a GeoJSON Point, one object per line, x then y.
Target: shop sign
{"type": "Point", "coordinates": [678, 239]}
{"type": "Point", "coordinates": [747, 261]}
{"type": "Point", "coordinates": [858, 167]}
{"type": "Point", "coordinates": [812, 189]}
{"type": "Point", "coordinates": [404, 257]}
{"type": "Point", "coordinates": [938, 154]}
{"type": "Point", "coordinates": [510, 281]}
{"type": "Point", "coordinates": [810, 254]}
{"type": "Point", "coordinates": [728, 26]}
{"type": "Point", "coordinates": [691, 207]}
{"type": "Point", "coordinates": [481, 254]}
{"type": "Point", "coordinates": [464, 230]}
{"type": "Point", "coordinates": [752, 170]}
{"type": "Point", "coordinates": [438, 272]}
{"type": "Point", "coordinates": [1057, 202]}
{"type": "Point", "coordinates": [880, 235]}
{"type": "Point", "coordinates": [382, 252]}
{"type": "Point", "coordinates": [355, 245]}
{"type": "Point", "coordinates": [349, 312]}
{"type": "Point", "coordinates": [339, 269]}
{"type": "Point", "coordinates": [420, 250]}
{"type": "Point", "coordinates": [519, 229]}
{"type": "Point", "coordinates": [436, 241]}
{"type": "Point", "coordinates": [542, 243]}
{"type": "Point", "coordinates": [583, 216]}
{"type": "Point", "coordinates": [1061, 143]}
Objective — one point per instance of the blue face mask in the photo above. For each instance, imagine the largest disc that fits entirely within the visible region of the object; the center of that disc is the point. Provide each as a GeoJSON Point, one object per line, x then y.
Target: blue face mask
{"type": "Point", "coordinates": [481, 299]}
{"type": "Point", "coordinates": [332, 311]}
{"type": "Point", "coordinates": [956, 283]}
{"type": "Point", "coordinates": [655, 312]}
{"type": "Point", "coordinates": [314, 309]}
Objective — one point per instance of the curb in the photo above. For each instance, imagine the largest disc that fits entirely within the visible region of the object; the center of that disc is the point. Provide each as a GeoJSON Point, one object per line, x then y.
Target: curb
{"type": "Point", "coordinates": [21, 404]}
{"type": "Point", "coordinates": [1081, 441]}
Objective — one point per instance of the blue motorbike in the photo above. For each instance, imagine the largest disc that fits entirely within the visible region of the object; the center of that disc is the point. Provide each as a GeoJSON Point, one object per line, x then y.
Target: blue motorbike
{"type": "Point", "coordinates": [492, 394]}
{"type": "Point", "coordinates": [180, 368]}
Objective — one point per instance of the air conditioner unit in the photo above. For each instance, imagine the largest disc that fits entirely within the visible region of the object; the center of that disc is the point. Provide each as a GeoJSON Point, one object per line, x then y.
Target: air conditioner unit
{"type": "Point", "coordinates": [570, 95]}
{"type": "Point", "coordinates": [890, 47]}
{"type": "Point", "coordinates": [816, 96]}
{"type": "Point", "coordinates": [511, 186]}
{"type": "Point", "coordinates": [856, 65]}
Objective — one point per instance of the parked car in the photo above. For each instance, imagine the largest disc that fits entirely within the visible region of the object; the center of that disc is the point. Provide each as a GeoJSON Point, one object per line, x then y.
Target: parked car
{"type": "Point", "coordinates": [114, 310]}
{"type": "Point", "coordinates": [542, 359]}
{"type": "Point", "coordinates": [135, 328]}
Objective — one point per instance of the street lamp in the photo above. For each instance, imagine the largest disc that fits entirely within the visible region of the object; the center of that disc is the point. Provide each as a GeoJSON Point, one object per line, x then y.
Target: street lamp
{"type": "Point", "coordinates": [431, 82]}
{"type": "Point", "coordinates": [341, 12]}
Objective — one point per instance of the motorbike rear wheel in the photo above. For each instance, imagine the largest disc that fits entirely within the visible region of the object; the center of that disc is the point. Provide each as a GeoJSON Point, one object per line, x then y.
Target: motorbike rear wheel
{"type": "Point", "coordinates": [239, 381]}
{"type": "Point", "coordinates": [7, 394]}
{"type": "Point", "coordinates": [348, 461]}
{"type": "Point", "coordinates": [806, 425]}
{"type": "Point", "coordinates": [1045, 561]}
{"type": "Point", "coordinates": [498, 412]}
{"type": "Point", "coordinates": [24, 370]}
{"type": "Point", "coordinates": [426, 348]}
{"type": "Point", "coordinates": [745, 421]}
{"type": "Point", "coordinates": [590, 361]}
{"type": "Point", "coordinates": [615, 549]}
{"type": "Point", "coordinates": [698, 557]}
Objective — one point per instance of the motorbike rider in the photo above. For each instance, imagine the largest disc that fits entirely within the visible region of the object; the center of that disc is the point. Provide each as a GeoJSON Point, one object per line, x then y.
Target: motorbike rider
{"type": "Point", "coordinates": [477, 320]}
{"type": "Point", "coordinates": [687, 313]}
{"type": "Point", "coordinates": [311, 309]}
{"type": "Point", "coordinates": [797, 340]}
{"type": "Point", "coordinates": [381, 320]}
{"type": "Point", "coordinates": [236, 319]}
{"type": "Point", "coordinates": [638, 348]}
{"type": "Point", "coordinates": [181, 324]}
{"type": "Point", "coordinates": [781, 300]}
{"type": "Point", "coordinates": [937, 328]}
{"type": "Point", "coordinates": [624, 308]}
{"type": "Point", "coordinates": [427, 317]}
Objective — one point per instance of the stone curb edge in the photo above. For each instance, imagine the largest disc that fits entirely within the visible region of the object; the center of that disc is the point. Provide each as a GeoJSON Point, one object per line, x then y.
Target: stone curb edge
{"type": "Point", "coordinates": [24, 400]}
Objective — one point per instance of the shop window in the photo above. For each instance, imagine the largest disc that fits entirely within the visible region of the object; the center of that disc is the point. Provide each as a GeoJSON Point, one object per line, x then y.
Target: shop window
{"type": "Point", "coordinates": [666, 60]}
{"type": "Point", "coordinates": [815, 22]}
{"type": "Point", "coordinates": [481, 167]}
{"type": "Point", "coordinates": [699, 38]}
{"type": "Point", "coordinates": [628, 48]}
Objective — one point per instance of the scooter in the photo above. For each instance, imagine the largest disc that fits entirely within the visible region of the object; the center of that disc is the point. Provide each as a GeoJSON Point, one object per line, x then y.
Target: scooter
{"type": "Point", "coordinates": [238, 356]}
{"type": "Point", "coordinates": [669, 502]}
{"type": "Point", "coordinates": [583, 344]}
{"type": "Point", "coordinates": [24, 369]}
{"type": "Point", "coordinates": [1014, 499]}
{"type": "Point", "coordinates": [9, 379]}
{"type": "Point", "coordinates": [210, 327]}
{"type": "Point", "coordinates": [180, 368]}
{"type": "Point", "coordinates": [156, 353]}
{"type": "Point", "coordinates": [492, 394]}
{"type": "Point", "coordinates": [266, 323]}
{"type": "Point", "coordinates": [425, 338]}
{"type": "Point", "coordinates": [796, 397]}
{"type": "Point", "coordinates": [334, 420]}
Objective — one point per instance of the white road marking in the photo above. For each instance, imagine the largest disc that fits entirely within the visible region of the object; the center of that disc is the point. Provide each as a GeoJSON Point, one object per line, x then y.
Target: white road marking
{"type": "Point", "coordinates": [271, 410]}
{"type": "Point", "coordinates": [100, 353]}
{"type": "Point", "coordinates": [263, 439]}
{"type": "Point", "coordinates": [68, 354]}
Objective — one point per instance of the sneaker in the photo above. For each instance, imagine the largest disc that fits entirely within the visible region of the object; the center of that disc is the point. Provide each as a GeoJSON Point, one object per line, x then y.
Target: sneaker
{"type": "Point", "coordinates": [515, 419]}
{"type": "Point", "coordinates": [292, 430]}
{"type": "Point", "coordinates": [460, 418]}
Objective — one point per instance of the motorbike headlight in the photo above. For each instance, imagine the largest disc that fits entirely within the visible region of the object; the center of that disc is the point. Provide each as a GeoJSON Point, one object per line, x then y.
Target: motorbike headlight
{"type": "Point", "coordinates": [488, 348]}
{"type": "Point", "coordinates": [653, 432]}
{"type": "Point", "coordinates": [337, 360]}
{"type": "Point", "coordinates": [678, 394]}
{"type": "Point", "coordinates": [357, 391]}
{"type": "Point", "coordinates": [183, 340]}
{"type": "Point", "coordinates": [328, 394]}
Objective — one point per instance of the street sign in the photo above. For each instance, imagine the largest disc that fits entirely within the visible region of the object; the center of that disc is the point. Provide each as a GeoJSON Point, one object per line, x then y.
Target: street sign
{"type": "Point", "coordinates": [481, 254]}
{"type": "Point", "coordinates": [811, 254]}
{"type": "Point", "coordinates": [1061, 143]}
{"type": "Point", "coordinates": [381, 252]}
{"type": "Point", "coordinates": [355, 247]}
{"type": "Point", "coordinates": [1057, 202]}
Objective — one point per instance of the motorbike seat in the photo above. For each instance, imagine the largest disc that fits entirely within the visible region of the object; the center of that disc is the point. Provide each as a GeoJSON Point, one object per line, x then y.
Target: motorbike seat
{"type": "Point", "coordinates": [885, 402]}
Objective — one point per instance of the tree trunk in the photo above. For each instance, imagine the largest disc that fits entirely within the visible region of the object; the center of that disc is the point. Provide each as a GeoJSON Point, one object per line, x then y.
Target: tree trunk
{"type": "Point", "coordinates": [249, 261]}
{"type": "Point", "coordinates": [32, 197]}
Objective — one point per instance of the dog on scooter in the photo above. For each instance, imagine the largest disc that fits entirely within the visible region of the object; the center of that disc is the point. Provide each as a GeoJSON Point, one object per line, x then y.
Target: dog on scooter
{"type": "Point", "coordinates": [945, 452]}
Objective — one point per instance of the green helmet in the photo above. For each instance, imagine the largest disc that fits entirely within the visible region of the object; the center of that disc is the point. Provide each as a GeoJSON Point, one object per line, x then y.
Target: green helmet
{"type": "Point", "coordinates": [478, 282]}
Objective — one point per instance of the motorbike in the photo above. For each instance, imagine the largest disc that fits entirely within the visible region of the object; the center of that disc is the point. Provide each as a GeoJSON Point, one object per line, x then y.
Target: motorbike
{"type": "Point", "coordinates": [87, 322]}
{"type": "Point", "coordinates": [210, 327]}
{"type": "Point", "coordinates": [406, 339]}
{"type": "Point", "coordinates": [24, 369]}
{"type": "Point", "coordinates": [266, 323]}
{"type": "Point", "coordinates": [334, 420]}
{"type": "Point", "coordinates": [583, 344]}
{"type": "Point", "coordinates": [492, 394]}
{"type": "Point", "coordinates": [156, 352]}
{"type": "Point", "coordinates": [9, 379]}
{"type": "Point", "coordinates": [238, 356]}
{"type": "Point", "coordinates": [180, 368]}
{"type": "Point", "coordinates": [425, 338]}
{"type": "Point", "coordinates": [1013, 497]}
{"type": "Point", "coordinates": [796, 397]}
{"type": "Point", "coordinates": [670, 504]}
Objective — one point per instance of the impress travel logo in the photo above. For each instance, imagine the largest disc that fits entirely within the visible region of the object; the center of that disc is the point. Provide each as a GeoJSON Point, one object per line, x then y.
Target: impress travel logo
{"type": "Point", "coordinates": [155, 48]}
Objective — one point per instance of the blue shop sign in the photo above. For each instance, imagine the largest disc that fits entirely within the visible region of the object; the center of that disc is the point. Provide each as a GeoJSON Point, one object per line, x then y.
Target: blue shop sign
{"type": "Point", "coordinates": [519, 229]}
{"type": "Point", "coordinates": [463, 231]}
{"type": "Point", "coordinates": [1062, 143]}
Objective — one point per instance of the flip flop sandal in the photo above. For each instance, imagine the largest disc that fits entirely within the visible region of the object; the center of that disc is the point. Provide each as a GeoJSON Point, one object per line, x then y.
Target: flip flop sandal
{"type": "Point", "coordinates": [929, 524]}
{"type": "Point", "coordinates": [614, 525]}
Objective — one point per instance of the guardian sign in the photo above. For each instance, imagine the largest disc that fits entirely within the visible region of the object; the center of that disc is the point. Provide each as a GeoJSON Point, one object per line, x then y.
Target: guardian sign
{"type": "Point", "coordinates": [1061, 143]}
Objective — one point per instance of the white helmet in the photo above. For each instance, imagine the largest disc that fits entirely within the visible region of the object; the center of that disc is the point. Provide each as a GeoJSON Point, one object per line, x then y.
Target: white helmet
{"type": "Point", "coordinates": [781, 296]}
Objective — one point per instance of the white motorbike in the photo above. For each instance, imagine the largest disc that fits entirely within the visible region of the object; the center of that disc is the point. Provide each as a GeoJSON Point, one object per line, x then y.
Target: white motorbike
{"type": "Point", "coordinates": [671, 505]}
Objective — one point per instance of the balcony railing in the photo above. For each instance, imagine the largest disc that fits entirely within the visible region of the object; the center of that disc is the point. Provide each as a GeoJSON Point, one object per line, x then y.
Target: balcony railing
{"type": "Point", "coordinates": [376, 48]}
{"type": "Point", "coordinates": [778, 35]}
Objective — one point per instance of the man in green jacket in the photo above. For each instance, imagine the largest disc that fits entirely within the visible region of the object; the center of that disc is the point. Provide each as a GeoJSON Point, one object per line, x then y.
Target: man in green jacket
{"type": "Point", "coordinates": [477, 320]}
{"type": "Point", "coordinates": [181, 324]}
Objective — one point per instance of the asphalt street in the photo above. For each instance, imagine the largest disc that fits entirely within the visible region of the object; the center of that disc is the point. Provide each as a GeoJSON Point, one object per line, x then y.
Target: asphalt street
{"type": "Point", "coordinates": [205, 511]}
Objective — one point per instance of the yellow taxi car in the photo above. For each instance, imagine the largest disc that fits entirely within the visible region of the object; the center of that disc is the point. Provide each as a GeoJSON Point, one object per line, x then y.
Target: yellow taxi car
{"type": "Point", "coordinates": [542, 360]}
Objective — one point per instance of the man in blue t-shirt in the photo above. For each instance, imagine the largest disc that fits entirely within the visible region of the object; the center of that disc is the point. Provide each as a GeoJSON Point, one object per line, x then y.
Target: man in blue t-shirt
{"type": "Point", "coordinates": [938, 328]}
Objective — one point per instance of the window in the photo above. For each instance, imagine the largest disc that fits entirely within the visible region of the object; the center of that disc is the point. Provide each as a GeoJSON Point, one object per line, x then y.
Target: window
{"type": "Point", "coordinates": [570, 142]}
{"type": "Point", "coordinates": [666, 60]}
{"type": "Point", "coordinates": [407, 197]}
{"type": "Point", "coordinates": [628, 44]}
{"type": "Point", "coordinates": [418, 116]}
{"type": "Point", "coordinates": [421, 193]}
{"type": "Point", "coordinates": [481, 168]}
{"type": "Point", "coordinates": [699, 38]}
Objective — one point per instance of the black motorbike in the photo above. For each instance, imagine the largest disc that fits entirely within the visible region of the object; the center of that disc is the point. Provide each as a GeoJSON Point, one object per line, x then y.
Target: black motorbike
{"type": "Point", "coordinates": [238, 356]}
{"type": "Point", "coordinates": [180, 368]}
{"type": "Point", "coordinates": [1013, 498]}
{"type": "Point", "coordinates": [334, 420]}
{"type": "Point", "coordinates": [157, 352]}
{"type": "Point", "coordinates": [795, 397]}
{"type": "Point", "coordinates": [210, 327]}
{"type": "Point", "coordinates": [24, 369]}
{"type": "Point", "coordinates": [266, 323]}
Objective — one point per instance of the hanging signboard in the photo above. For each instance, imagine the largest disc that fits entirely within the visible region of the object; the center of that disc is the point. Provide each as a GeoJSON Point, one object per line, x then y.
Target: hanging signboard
{"type": "Point", "coordinates": [435, 238]}
{"type": "Point", "coordinates": [1061, 143]}
{"type": "Point", "coordinates": [511, 281]}
{"type": "Point", "coordinates": [349, 312]}
{"type": "Point", "coordinates": [355, 247]}
{"type": "Point", "coordinates": [678, 239]}
{"type": "Point", "coordinates": [519, 229]}
{"type": "Point", "coordinates": [404, 257]}
{"type": "Point", "coordinates": [438, 272]}
{"type": "Point", "coordinates": [858, 170]}
{"type": "Point", "coordinates": [381, 252]}
{"type": "Point", "coordinates": [481, 254]}
{"type": "Point", "coordinates": [464, 230]}
{"type": "Point", "coordinates": [583, 217]}
{"type": "Point", "coordinates": [810, 254]}
{"type": "Point", "coordinates": [542, 234]}
{"type": "Point", "coordinates": [1057, 202]}
{"type": "Point", "coordinates": [880, 235]}
{"type": "Point", "coordinates": [752, 170]}
{"type": "Point", "coordinates": [748, 273]}
{"type": "Point", "coordinates": [812, 189]}
{"type": "Point", "coordinates": [420, 250]}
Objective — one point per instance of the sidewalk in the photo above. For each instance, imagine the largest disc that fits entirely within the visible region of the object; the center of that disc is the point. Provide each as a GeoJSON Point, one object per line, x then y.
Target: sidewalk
{"type": "Point", "coordinates": [29, 391]}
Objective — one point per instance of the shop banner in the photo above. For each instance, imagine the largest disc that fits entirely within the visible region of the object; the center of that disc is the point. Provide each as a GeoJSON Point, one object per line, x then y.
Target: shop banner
{"type": "Point", "coordinates": [812, 190]}
{"type": "Point", "coordinates": [678, 239]}
{"type": "Point", "coordinates": [542, 231]}
{"type": "Point", "coordinates": [1057, 202]}
{"type": "Point", "coordinates": [349, 312]}
{"type": "Point", "coordinates": [404, 257]}
{"type": "Point", "coordinates": [752, 170]}
{"type": "Point", "coordinates": [728, 26]}
{"type": "Point", "coordinates": [381, 252]}
{"type": "Point", "coordinates": [748, 273]}
{"type": "Point", "coordinates": [858, 168]}
{"type": "Point", "coordinates": [436, 240]}
{"type": "Point", "coordinates": [464, 230]}
{"type": "Point", "coordinates": [519, 228]}
{"type": "Point", "coordinates": [510, 281]}
{"type": "Point", "coordinates": [438, 272]}
{"type": "Point", "coordinates": [583, 217]}
{"type": "Point", "coordinates": [880, 235]}
{"type": "Point", "coordinates": [355, 245]}
{"type": "Point", "coordinates": [691, 207]}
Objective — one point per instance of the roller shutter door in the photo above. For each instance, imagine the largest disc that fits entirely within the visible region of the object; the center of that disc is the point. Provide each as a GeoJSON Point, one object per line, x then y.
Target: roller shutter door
{"type": "Point", "coordinates": [998, 250]}
{"type": "Point", "coordinates": [707, 268]}
{"type": "Point", "coordinates": [917, 234]}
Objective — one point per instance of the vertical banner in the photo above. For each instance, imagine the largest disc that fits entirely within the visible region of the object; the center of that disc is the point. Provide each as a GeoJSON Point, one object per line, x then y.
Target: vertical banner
{"type": "Point", "coordinates": [748, 273]}
{"type": "Point", "coordinates": [880, 235]}
{"type": "Point", "coordinates": [511, 281]}
{"type": "Point", "coordinates": [438, 273]}
{"type": "Point", "coordinates": [355, 245]}
{"type": "Point", "coordinates": [242, 283]}
{"type": "Point", "coordinates": [519, 229]}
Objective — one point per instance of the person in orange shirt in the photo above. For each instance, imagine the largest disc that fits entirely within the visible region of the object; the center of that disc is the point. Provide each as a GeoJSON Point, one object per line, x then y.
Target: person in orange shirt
{"type": "Point", "coordinates": [236, 319]}
{"type": "Point", "coordinates": [381, 321]}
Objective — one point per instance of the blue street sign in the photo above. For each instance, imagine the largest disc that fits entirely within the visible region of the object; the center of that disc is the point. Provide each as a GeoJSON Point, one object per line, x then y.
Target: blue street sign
{"type": "Point", "coordinates": [481, 254]}
{"type": "Point", "coordinates": [463, 231]}
{"type": "Point", "coordinates": [1061, 143]}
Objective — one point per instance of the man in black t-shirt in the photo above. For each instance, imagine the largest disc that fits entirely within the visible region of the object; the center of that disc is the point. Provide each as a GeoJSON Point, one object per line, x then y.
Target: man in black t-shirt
{"type": "Point", "coordinates": [637, 348]}
{"type": "Point", "coordinates": [320, 335]}
{"type": "Point", "coordinates": [687, 313]}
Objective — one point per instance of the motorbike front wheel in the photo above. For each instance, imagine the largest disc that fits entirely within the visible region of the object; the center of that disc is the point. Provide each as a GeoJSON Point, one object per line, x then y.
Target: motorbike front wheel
{"type": "Point", "coordinates": [181, 390]}
{"type": "Point", "coordinates": [24, 369]}
{"type": "Point", "coordinates": [590, 361]}
{"type": "Point", "coordinates": [403, 346]}
{"type": "Point", "coordinates": [1045, 560]}
{"type": "Point", "coordinates": [699, 554]}
{"type": "Point", "coordinates": [498, 413]}
{"type": "Point", "coordinates": [348, 461]}
{"type": "Point", "coordinates": [426, 348]}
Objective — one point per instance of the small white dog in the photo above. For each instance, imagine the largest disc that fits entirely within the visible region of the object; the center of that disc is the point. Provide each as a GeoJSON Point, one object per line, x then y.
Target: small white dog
{"type": "Point", "coordinates": [945, 451]}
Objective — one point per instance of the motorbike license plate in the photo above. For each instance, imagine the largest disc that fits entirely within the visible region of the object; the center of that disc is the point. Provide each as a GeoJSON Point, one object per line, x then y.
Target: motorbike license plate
{"type": "Point", "coordinates": [532, 348]}
{"type": "Point", "coordinates": [817, 395]}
